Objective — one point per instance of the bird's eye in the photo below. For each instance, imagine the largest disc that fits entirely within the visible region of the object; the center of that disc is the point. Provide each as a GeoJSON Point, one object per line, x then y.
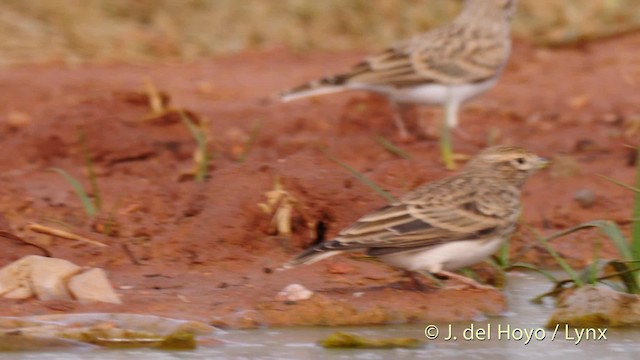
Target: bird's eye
{"type": "Point", "coordinates": [521, 161]}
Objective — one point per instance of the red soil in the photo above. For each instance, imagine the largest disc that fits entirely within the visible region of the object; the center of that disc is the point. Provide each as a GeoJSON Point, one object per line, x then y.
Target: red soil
{"type": "Point", "coordinates": [203, 250]}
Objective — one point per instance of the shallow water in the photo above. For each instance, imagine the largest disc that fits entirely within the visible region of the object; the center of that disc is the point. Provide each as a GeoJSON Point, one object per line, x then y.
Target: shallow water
{"type": "Point", "coordinates": [508, 339]}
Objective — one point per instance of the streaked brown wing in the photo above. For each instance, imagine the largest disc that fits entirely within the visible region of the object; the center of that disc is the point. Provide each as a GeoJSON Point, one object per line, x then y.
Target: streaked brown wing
{"type": "Point", "coordinates": [405, 225]}
{"type": "Point", "coordinates": [437, 56]}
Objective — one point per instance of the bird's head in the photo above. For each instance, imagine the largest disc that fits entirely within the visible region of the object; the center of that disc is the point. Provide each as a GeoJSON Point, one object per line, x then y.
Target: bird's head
{"type": "Point", "coordinates": [510, 163]}
{"type": "Point", "coordinates": [497, 4]}
{"type": "Point", "coordinates": [490, 8]}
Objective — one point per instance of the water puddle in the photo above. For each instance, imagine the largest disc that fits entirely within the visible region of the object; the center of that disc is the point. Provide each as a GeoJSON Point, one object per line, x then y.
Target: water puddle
{"type": "Point", "coordinates": [519, 334]}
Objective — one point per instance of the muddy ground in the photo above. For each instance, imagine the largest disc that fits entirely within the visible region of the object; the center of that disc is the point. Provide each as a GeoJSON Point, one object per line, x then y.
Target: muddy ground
{"type": "Point", "coordinates": [204, 250]}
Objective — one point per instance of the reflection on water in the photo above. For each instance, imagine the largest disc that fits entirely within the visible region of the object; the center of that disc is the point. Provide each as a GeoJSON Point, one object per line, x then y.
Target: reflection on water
{"type": "Point", "coordinates": [516, 335]}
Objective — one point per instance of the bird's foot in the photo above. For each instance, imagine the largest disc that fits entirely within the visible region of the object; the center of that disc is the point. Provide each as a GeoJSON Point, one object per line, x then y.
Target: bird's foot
{"type": "Point", "coordinates": [467, 283]}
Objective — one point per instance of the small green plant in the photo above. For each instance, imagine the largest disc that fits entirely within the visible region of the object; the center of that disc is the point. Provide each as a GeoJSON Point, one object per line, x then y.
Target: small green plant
{"type": "Point", "coordinates": [91, 174]}
{"type": "Point", "coordinates": [92, 205]}
{"type": "Point", "coordinates": [503, 263]}
{"type": "Point", "coordinates": [201, 155]}
{"type": "Point", "coordinates": [628, 249]}
{"type": "Point", "coordinates": [87, 202]}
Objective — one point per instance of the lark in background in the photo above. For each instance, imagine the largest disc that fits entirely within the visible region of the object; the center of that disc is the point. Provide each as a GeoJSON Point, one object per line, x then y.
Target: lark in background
{"type": "Point", "coordinates": [443, 225]}
{"type": "Point", "coordinates": [446, 66]}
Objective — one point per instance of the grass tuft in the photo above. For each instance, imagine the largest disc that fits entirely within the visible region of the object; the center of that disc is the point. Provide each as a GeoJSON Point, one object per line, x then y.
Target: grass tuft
{"type": "Point", "coordinates": [201, 154]}
{"type": "Point", "coordinates": [88, 204]}
{"type": "Point", "coordinates": [91, 174]}
{"type": "Point", "coordinates": [592, 274]}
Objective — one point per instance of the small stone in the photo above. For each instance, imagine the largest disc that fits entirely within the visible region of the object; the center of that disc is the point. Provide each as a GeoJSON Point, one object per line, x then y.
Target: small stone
{"type": "Point", "coordinates": [294, 292]}
{"type": "Point", "coordinates": [93, 286]}
{"type": "Point", "coordinates": [14, 279]}
{"type": "Point", "coordinates": [20, 293]}
{"type": "Point", "coordinates": [45, 277]}
{"type": "Point", "coordinates": [585, 198]}
{"type": "Point", "coordinates": [18, 120]}
{"type": "Point", "coordinates": [49, 276]}
{"type": "Point", "coordinates": [591, 306]}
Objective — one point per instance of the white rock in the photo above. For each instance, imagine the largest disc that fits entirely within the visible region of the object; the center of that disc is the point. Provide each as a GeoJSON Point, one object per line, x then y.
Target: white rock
{"type": "Point", "coordinates": [49, 277]}
{"type": "Point", "coordinates": [93, 286]}
{"type": "Point", "coordinates": [294, 292]}
{"type": "Point", "coordinates": [14, 279]}
{"type": "Point", "coordinates": [20, 293]}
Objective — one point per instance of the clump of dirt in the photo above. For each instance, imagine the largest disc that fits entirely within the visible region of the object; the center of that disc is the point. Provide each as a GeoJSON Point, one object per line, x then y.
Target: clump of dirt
{"type": "Point", "coordinates": [206, 250]}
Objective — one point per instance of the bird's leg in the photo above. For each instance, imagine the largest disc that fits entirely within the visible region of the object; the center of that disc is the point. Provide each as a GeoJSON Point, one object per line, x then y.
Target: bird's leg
{"type": "Point", "coordinates": [417, 285]}
{"type": "Point", "coordinates": [465, 280]}
{"type": "Point", "coordinates": [399, 110]}
{"type": "Point", "coordinates": [450, 121]}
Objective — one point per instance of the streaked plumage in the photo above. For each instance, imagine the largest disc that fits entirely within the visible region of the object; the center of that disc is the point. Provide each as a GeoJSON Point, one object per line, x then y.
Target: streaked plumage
{"type": "Point", "coordinates": [446, 66]}
{"type": "Point", "coordinates": [446, 224]}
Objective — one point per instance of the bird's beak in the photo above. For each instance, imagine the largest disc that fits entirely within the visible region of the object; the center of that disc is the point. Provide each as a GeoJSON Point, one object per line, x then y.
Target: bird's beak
{"type": "Point", "coordinates": [542, 162]}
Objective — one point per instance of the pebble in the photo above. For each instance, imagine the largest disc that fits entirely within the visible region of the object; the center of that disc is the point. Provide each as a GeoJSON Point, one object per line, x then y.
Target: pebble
{"type": "Point", "coordinates": [294, 292]}
{"type": "Point", "coordinates": [585, 198]}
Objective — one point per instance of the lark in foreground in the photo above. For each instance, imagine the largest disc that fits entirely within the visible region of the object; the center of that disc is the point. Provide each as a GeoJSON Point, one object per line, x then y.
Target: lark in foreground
{"type": "Point", "coordinates": [445, 66]}
{"type": "Point", "coordinates": [443, 225]}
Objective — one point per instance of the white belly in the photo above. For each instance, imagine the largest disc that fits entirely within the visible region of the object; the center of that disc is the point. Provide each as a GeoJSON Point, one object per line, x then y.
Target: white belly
{"type": "Point", "coordinates": [449, 257]}
{"type": "Point", "coordinates": [430, 94]}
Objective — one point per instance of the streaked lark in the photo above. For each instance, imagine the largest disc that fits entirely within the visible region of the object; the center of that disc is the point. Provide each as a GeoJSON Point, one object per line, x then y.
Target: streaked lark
{"type": "Point", "coordinates": [446, 224]}
{"type": "Point", "coordinates": [446, 66]}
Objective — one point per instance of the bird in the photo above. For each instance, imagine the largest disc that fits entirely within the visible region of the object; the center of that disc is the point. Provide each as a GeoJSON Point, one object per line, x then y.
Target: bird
{"type": "Point", "coordinates": [447, 66]}
{"type": "Point", "coordinates": [443, 225]}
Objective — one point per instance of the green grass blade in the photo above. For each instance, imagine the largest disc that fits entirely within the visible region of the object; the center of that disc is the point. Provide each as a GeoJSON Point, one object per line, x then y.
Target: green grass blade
{"type": "Point", "coordinates": [392, 148]}
{"type": "Point", "coordinates": [89, 208]}
{"type": "Point", "coordinates": [612, 231]}
{"type": "Point", "coordinates": [609, 228]}
{"type": "Point", "coordinates": [202, 165]}
{"type": "Point", "coordinates": [532, 267]}
{"type": "Point", "coordinates": [627, 275]}
{"type": "Point", "coordinates": [503, 254]}
{"type": "Point", "coordinates": [594, 268]}
{"type": "Point", "coordinates": [563, 264]}
{"type": "Point", "coordinates": [91, 174]}
{"type": "Point", "coordinates": [621, 184]}
{"type": "Point", "coordinates": [363, 179]}
{"type": "Point", "coordinates": [635, 227]}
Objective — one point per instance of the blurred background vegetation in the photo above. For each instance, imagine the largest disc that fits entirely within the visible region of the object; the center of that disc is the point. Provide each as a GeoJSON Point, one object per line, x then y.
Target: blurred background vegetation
{"type": "Point", "coordinates": [135, 30]}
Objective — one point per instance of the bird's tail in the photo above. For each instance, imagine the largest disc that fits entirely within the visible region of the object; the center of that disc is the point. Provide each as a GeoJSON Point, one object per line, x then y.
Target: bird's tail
{"type": "Point", "coordinates": [327, 85]}
{"type": "Point", "coordinates": [310, 256]}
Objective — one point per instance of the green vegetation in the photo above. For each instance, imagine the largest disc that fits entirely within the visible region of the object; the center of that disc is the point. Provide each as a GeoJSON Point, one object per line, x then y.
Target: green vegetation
{"type": "Point", "coordinates": [78, 30]}
{"type": "Point", "coordinates": [92, 205]}
{"type": "Point", "coordinates": [201, 154]}
{"type": "Point", "coordinates": [87, 202]}
{"type": "Point", "coordinates": [343, 340]}
{"type": "Point", "coordinates": [624, 268]}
